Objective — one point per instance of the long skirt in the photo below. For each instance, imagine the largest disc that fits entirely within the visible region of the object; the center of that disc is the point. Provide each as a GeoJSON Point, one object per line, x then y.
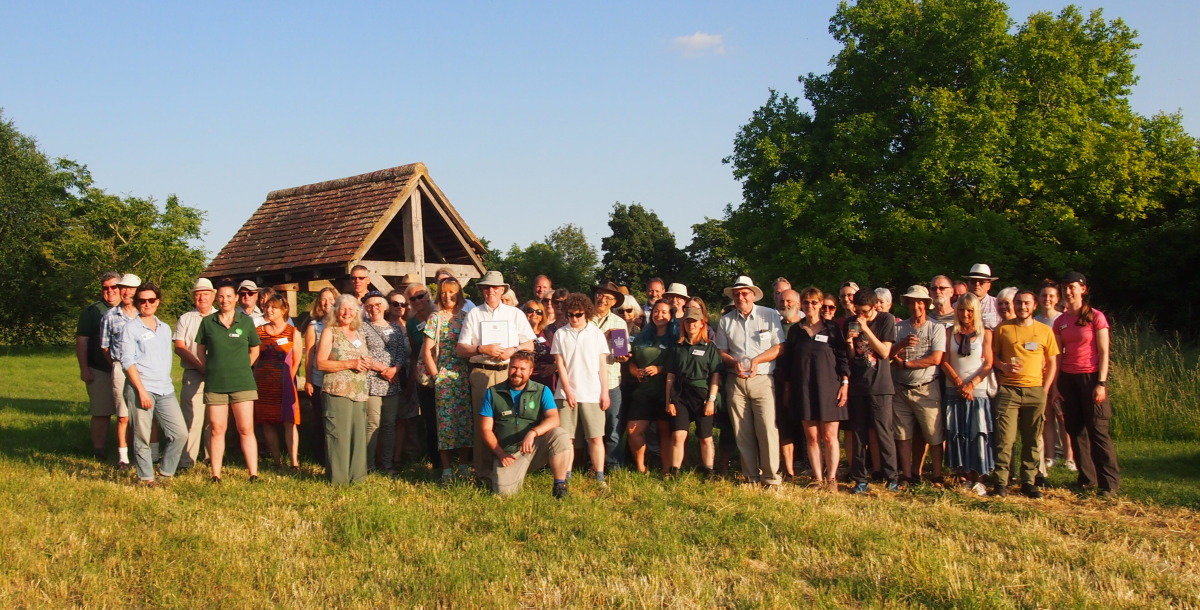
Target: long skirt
{"type": "Point", "coordinates": [968, 434]}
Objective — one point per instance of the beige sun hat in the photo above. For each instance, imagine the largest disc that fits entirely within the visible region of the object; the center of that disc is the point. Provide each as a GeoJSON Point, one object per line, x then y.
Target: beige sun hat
{"type": "Point", "coordinates": [678, 290]}
{"type": "Point", "coordinates": [744, 282]}
{"type": "Point", "coordinates": [203, 284]}
{"type": "Point", "coordinates": [130, 280]}
{"type": "Point", "coordinates": [248, 285]}
{"type": "Point", "coordinates": [917, 291]}
{"type": "Point", "coordinates": [492, 278]}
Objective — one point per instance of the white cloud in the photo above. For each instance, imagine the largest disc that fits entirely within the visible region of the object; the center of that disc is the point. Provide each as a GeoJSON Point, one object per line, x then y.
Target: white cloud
{"type": "Point", "coordinates": [699, 44]}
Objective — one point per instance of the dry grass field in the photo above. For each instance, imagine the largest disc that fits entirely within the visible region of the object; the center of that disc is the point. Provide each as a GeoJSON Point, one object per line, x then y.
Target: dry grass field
{"type": "Point", "coordinates": [77, 534]}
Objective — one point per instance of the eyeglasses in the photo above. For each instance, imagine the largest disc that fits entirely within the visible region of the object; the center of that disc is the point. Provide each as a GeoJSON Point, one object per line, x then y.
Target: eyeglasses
{"type": "Point", "coordinates": [979, 281]}
{"type": "Point", "coordinates": [359, 278]}
{"type": "Point", "coordinates": [577, 314]}
{"type": "Point", "coordinates": [941, 288]}
{"type": "Point", "coordinates": [114, 288]}
{"type": "Point", "coordinates": [398, 304]}
{"type": "Point", "coordinates": [532, 310]}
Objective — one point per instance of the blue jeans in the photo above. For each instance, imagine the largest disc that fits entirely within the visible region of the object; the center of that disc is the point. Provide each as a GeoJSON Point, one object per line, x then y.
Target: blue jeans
{"type": "Point", "coordinates": [170, 421]}
{"type": "Point", "coordinates": [614, 449]}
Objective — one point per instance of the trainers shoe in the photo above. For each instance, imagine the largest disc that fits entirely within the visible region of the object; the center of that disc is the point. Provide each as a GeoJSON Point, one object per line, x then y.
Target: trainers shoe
{"type": "Point", "coordinates": [893, 486]}
{"type": "Point", "coordinates": [859, 489]}
{"type": "Point", "coordinates": [447, 477]}
{"type": "Point", "coordinates": [560, 490]}
{"type": "Point", "coordinates": [1000, 491]}
{"type": "Point", "coordinates": [980, 489]}
{"type": "Point", "coordinates": [1031, 491]}
{"type": "Point", "coordinates": [1049, 463]}
{"type": "Point", "coordinates": [1071, 466]}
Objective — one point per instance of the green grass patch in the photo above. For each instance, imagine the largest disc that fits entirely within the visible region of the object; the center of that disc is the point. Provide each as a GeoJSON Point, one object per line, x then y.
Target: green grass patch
{"type": "Point", "coordinates": [76, 533]}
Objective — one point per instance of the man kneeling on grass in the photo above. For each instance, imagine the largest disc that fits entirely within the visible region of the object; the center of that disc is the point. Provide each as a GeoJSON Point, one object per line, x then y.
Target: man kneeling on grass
{"type": "Point", "coordinates": [519, 422]}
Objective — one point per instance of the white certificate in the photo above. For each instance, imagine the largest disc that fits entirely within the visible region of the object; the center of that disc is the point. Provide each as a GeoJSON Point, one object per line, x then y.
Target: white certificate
{"type": "Point", "coordinates": [494, 331]}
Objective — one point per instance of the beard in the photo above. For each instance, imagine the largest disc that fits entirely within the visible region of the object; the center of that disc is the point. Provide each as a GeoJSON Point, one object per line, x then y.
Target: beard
{"type": "Point", "coordinates": [939, 301]}
{"type": "Point", "coordinates": [789, 312]}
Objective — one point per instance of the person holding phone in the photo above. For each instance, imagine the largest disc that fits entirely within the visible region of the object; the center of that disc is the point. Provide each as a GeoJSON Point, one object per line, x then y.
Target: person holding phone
{"type": "Point", "coordinates": [870, 335]}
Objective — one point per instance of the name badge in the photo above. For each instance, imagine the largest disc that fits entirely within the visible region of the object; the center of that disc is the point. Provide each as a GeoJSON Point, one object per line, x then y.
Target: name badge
{"type": "Point", "coordinates": [235, 335]}
{"type": "Point", "coordinates": [1031, 346]}
{"type": "Point", "coordinates": [356, 343]}
{"type": "Point", "coordinates": [281, 341]}
{"type": "Point", "coordinates": [697, 352]}
{"type": "Point", "coordinates": [821, 338]}
{"type": "Point", "coordinates": [541, 339]}
{"type": "Point", "coordinates": [146, 336]}
{"type": "Point", "coordinates": [506, 413]}
{"type": "Point", "coordinates": [948, 324]}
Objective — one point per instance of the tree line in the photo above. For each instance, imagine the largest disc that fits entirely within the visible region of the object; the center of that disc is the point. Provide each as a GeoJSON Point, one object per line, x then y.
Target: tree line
{"type": "Point", "coordinates": [59, 232]}
{"type": "Point", "coordinates": [945, 133]}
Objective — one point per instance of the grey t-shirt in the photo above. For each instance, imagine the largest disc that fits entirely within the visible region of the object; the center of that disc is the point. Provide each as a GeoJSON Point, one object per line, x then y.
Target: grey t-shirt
{"type": "Point", "coordinates": [931, 337]}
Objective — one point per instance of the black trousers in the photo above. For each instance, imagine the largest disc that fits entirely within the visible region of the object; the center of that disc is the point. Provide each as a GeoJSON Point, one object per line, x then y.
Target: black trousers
{"type": "Point", "coordinates": [425, 398]}
{"type": "Point", "coordinates": [1087, 425]}
{"type": "Point", "coordinates": [866, 412]}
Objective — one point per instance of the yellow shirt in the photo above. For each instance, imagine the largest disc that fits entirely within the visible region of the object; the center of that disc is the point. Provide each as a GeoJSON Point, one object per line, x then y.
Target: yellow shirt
{"type": "Point", "coordinates": [1033, 344]}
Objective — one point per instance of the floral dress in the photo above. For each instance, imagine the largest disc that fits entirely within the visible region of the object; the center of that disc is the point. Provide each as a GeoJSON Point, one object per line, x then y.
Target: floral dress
{"type": "Point", "coordinates": [452, 385]}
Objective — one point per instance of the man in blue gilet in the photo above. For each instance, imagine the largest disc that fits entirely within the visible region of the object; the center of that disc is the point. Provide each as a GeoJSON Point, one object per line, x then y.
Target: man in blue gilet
{"type": "Point", "coordinates": [519, 422]}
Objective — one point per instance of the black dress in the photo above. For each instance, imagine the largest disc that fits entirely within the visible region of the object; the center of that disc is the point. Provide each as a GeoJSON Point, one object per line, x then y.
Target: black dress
{"type": "Point", "coordinates": [809, 370]}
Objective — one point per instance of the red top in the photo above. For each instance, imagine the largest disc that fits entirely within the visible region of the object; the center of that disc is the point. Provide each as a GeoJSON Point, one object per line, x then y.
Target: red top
{"type": "Point", "coordinates": [1078, 343]}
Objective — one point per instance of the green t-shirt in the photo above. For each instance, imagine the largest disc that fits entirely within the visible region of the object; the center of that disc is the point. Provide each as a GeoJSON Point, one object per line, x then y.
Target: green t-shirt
{"type": "Point", "coordinates": [228, 353]}
{"type": "Point", "coordinates": [89, 326]}
{"type": "Point", "coordinates": [653, 353]}
{"type": "Point", "coordinates": [695, 363]}
{"type": "Point", "coordinates": [416, 336]}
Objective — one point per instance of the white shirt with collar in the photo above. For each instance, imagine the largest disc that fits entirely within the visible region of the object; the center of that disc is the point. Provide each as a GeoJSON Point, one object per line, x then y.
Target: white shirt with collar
{"type": "Point", "coordinates": [748, 336]}
{"type": "Point", "coordinates": [519, 330]}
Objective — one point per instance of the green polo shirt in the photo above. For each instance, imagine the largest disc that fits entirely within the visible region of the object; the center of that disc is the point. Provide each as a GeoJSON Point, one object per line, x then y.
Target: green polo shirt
{"type": "Point", "coordinates": [228, 353]}
{"type": "Point", "coordinates": [89, 326]}
{"type": "Point", "coordinates": [695, 363]}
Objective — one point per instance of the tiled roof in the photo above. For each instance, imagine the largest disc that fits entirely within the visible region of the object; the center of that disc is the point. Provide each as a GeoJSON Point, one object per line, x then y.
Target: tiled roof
{"type": "Point", "coordinates": [316, 225]}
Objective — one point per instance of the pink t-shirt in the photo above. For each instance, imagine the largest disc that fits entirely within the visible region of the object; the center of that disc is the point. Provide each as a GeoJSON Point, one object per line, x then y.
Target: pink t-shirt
{"type": "Point", "coordinates": [1078, 343]}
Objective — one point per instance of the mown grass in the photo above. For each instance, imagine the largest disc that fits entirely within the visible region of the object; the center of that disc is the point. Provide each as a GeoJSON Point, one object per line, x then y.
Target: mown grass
{"type": "Point", "coordinates": [77, 534]}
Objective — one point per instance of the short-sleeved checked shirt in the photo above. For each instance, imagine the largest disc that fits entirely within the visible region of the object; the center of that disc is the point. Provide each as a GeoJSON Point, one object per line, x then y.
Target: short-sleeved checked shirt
{"type": "Point", "coordinates": [605, 324]}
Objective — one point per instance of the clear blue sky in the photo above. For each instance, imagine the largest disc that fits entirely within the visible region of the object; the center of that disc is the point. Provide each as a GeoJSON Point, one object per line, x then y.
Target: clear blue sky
{"type": "Point", "coordinates": [528, 115]}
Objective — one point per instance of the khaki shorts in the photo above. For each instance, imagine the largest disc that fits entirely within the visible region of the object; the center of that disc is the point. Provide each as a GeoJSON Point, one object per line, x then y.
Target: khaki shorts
{"type": "Point", "coordinates": [118, 390]}
{"type": "Point", "coordinates": [919, 408]}
{"type": "Point", "coordinates": [100, 394]}
{"type": "Point", "coordinates": [507, 480]}
{"type": "Point", "coordinates": [223, 398]}
{"type": "Point", "coordinates": [586, 417]}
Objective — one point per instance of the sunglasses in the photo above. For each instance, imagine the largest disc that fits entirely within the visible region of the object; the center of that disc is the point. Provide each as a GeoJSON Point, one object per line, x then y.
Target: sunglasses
{"type": "Point", "coordinates": [398, 304]}
{"type": "Point", "coordinates": [418, 297]}
{"type": "Point", "coordinates": [359, 279]}
{"type": "Point", "coordinates": [113, 288]}
{"type": "Point", "coordinates": [979, 281]}
{"type": "Point", "coordinates": [532, 310]}
{"type": "Point", "coordinates": [829, 308]}
{"type": "Point", "coordinates": [147, 301]}
{"type": "Point", "coordinates": [578, 314]}
{"type": "Point", "coordinates": [812, 302]}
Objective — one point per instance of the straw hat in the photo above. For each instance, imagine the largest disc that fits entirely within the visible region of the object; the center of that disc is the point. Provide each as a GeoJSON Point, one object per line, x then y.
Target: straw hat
{"type": "Point", "coordinates": [130, 280]}
{"type": "Point", "coordinates": [744, 282]}
{"type": "Point", "coordinates": [917, 291]}
{"type": "Point", "coordinates": [980, 271]}
{"type": "Point", "coordinates": [676, 290]}
{"type": "Point", "coordinates": [203, 284]}
{"type": "Point", "coordinates": [491, 278]}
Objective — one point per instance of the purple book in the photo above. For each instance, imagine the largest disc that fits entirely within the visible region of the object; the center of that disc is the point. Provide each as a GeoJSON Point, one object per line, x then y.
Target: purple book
{"type": "Point", "coordinates": [618, 339]}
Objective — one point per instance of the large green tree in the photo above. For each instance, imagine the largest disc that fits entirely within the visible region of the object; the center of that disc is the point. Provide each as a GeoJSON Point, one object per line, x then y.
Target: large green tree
{"type": "Point", "coordinates": [59, 233]}
{"type": "Point", "coordinates": [712, 262]}
{"type": "Point", "coordinates": [946, 134]}
{"type": "Point", "coordinates": [640, 247]}
{"type": "Point", "coordinates": [565, 256]}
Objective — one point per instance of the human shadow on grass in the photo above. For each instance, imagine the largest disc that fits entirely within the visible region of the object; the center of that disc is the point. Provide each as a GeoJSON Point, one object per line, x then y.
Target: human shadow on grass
{"type": "Point", "coordinates": [1171, 467]}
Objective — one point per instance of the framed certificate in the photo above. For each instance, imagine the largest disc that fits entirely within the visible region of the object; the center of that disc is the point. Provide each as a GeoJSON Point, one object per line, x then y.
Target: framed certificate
{"type": "Point", "coordinates": [494, 332]}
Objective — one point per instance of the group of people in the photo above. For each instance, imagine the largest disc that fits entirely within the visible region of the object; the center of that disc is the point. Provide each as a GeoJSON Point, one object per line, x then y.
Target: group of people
{"type": "Point", "coordinates": [510, 389]}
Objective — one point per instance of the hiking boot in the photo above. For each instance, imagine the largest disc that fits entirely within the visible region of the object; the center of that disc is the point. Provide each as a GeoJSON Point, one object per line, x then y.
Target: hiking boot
{"type": "Point", "coordinates": [122, 466]}
{"type": "Point", "coordinates": [1031, 491]}
{"type": "Point", "coordinates": [859, 489]}
{"type": "Point", "coordinates": [1039, 480]}
{"type": "Point", "coordinates": [560, 490]}
{"type": "Point", "coordinates": [1000, 491]}
{"type": "Point", "coordinates": [1107, 494]}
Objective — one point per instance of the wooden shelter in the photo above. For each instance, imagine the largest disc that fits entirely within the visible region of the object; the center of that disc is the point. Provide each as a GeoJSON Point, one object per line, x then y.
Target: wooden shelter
{"type": "Point", "coordinates": [393, 222]}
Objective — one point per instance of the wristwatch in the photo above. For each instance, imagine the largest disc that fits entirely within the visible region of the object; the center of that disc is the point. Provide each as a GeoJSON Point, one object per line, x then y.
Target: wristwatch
{"type": "Point", "coordinates": [1103, 384]}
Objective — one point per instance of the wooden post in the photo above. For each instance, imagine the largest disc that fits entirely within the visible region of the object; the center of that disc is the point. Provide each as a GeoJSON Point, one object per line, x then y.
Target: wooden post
{"type": "Point", "coordinates": [414, 230]}
{"type": "Point", "coordinates": [290, 291]}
